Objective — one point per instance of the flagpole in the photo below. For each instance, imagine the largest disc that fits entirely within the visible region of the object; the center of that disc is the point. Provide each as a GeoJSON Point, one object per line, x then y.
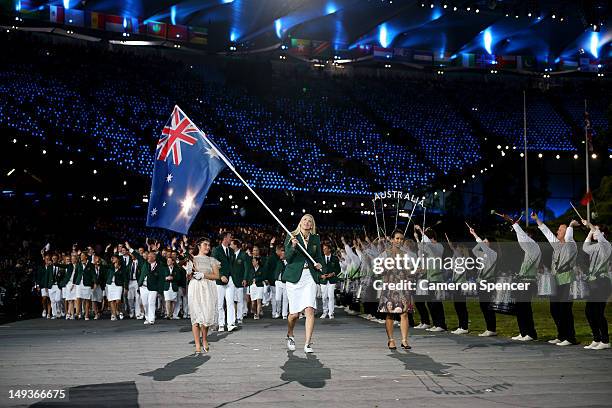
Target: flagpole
{"type": "Point", "coordinates": [586, 160]}
{"type": "Point", "coordinates": [410, 218]}
{"type": "Point", "coordinates": [382, 208]}
{"type": "Point", "coordinates": [396, 213]}
{"type": "Point", "coordinates": [231, 166]}
{"type": "Point", "coordinates": [525, 153]}
{"type": "Point", "coordinates": [376, 218]}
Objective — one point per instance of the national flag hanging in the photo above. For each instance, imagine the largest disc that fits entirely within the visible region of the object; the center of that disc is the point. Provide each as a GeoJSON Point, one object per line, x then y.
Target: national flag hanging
{"type": "Point", "coordinates": [156, 29]}
{"type": "Point", "coordinates": [588, 197]}
{"type": "Point", "coordinates": [56, 14]}
{"type": "Point", "coordinates": [198, 35]}
{"type": "Point", "coordinates": [186, 164]}
{"type": "Point", "coordinates": [96, 20]}
{"type": "Point", "coordinates": [74, 17]}
{"type": "Point", "coordinates": [115, 23]}
{"type": "Point", "coordinates": [588, 131]}
{"type": "Point", "coordinates": [177, 32]}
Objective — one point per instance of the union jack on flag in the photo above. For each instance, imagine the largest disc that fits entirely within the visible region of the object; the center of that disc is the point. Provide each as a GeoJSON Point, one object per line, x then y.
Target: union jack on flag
{"type": "Point", "coordinates": [179, 129]}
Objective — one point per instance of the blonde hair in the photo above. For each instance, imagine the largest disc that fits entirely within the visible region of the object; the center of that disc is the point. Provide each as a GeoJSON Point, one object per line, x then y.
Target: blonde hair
{"type": "Point", "coordinates": [295, 232]}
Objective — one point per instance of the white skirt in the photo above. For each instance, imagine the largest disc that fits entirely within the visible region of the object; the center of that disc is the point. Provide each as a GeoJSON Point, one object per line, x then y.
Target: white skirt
{"type": "Point", "coordinates": [55, 294]}
{"type": "Point", "coordinates": [44, 292]}
{"type": "Point", "coordinates": [96, 294]}
{"type": "Point", "coordinates": [69, 291]}
{"type": "Point", "coordinates": [257, 292]}
{"type": "Point", "coordinates": [302, 294]}
{"type": "Point", "coordinates": [170, 295]}
{"type": "Point", "coordinates": [83, 292]}
{"type": "Point", "coordinates": [113, 292]}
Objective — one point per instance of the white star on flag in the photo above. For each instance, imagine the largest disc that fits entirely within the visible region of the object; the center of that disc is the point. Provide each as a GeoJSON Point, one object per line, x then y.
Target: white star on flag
{"type": "Point", "coordinates": [153, 212]}
{"type": "Point", "coordinates": [169, 178]}
{"type": "Point", "coordinates": [164, 204]}
{"type": "Point", "coordinates": [212, 153]}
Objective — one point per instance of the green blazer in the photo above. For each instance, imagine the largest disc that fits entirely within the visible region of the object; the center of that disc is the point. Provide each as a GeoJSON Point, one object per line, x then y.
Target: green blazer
{"type": "Point", "coordinates": [296, 259]}
{"type": "Point", "coordinates": [175, 278]}
{"type": "Point", "coordinates": [85, 274]}
{"type": "Point", "coordinates": [155, 276]}
{"type": "Point", "coordinates": [273, 268]}
{"type": "Point", "coordinates": [46, 278]}
{"type": "Point", "coordinates": [226, 263]}
{"type": "Point", "coordinates": [333, 266]}
{"type": "Point", "coordinates": [121, 276]}
{"type": "Point", "coordinates": [180, 277]}
{"type": "Point", "coordinates": [67, 273]}
{"type": "Point", "coordinates": [241, 268]}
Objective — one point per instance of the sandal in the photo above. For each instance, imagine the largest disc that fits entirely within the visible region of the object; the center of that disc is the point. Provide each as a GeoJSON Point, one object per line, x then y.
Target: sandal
{"type": "Point", "coordinates": [389, 344]}
{"type": "Point", "coordinates": [406, 346]}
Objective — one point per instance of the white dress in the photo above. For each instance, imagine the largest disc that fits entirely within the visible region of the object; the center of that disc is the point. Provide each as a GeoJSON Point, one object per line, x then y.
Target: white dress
{"type": "Point", "coordinates": [202, 293]}
{"type": "Point", "coordinates": [302, 294]}
{"type": "Point", "coordinates": [113, 291]}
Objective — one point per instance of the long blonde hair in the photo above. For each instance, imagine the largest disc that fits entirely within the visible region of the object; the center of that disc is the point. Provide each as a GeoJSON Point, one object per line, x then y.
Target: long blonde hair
{"type": "Point", "coordinates": [296, 232]}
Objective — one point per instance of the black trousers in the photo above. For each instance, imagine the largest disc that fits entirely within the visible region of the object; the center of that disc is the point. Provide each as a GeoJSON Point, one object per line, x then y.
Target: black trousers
{"type": "Point", "coordinates": [595, 310]}
{"type": "Point", "coordinates": [423, 312]}
{"type": "Point", "coordinates": [461, 310]}
{"type": "Point", "coordinates": [561, 312]}
{"type": "Point", "coordinates": [488, 314]}
{"type": "Point", "coordinates": [437, 313]}
{"type": "Point", "coordinates": [524, 314]}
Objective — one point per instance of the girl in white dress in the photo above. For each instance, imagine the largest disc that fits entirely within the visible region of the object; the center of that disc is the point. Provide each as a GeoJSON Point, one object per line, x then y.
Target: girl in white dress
{"type": "Point", "coordinates": [202, 294]}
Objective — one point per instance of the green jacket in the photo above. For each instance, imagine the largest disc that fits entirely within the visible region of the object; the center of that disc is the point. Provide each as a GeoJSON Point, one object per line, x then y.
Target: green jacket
{"type": "Point", "coordinates": [296, 259]}
{"type": "Point", "coordinates": [226, 263]}
{"type": "Point", "coordinates": [68, 269]}
{"type": "Point", "coordinates": [154, 277]}
{"type": "Point", "coordinates": [180, 277]}
{"type": "Point", "coordinates": [274, 267]}
{"type": "Point", "coordinates": [333, 266]}
{"type": "Point", "coordinates": [120, 275]}
{"type": "Point", "coordinates": [176, 278]}
{"type": "Point", "coordinates": [258, 275]}
{"type": "Point", "coordinates": [86, 274]}
{"type": "Point", "coordinates": [241, 267]}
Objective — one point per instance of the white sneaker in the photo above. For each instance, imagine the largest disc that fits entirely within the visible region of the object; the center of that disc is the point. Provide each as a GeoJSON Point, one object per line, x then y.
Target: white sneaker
{"type": "Point", "coordinates": [67, 317]}
{"type": "Point", "coordinates": [519, 337]}
{"type": "Point", "coordinates": [86, 317]}
{"type": "Point", "coordinates": [436, 329]}
{"type": "Point", "coordinates": [284, 317]}
{"type": "Point", "coordinates": [554, 341]}
{"type": "Point", "coordinates": [331, 316]}
{"type": "Point", "coordinates": [139, 317]}
{"type": "Point", "coordinates": [526, 338]}
{"type": "Point", "coordinates": [221, 328]}
{"type": "Point", "coordinates": [120, 316]}
{"type": "Point", "coordinates": [425, 326]}
{"type": "Point", "coordinates": [308, 348]}
{"type": "Point", "coordinates": [231, 327]}
{"type": "Point", "coordinates": [132, 316]}
{"type": "Point", "coordinates": [602, 346]}
{"type": "Point", "coordinates": [44, 313]}
{"type": "Point", "coordinates": [53, 317]}
{"type": "Point", "coordinates": [176, 318]}
{"type": "Point", "coordinates": [147, 322]}
{"type": "Point", "coordinates": [592, 345]}
{"type": "Point", "coordinates": [323, 316]}
{"type": "Point", "coordinates": [460, 331]}
{"type": "Point", "coordinates": [418, 326]}
{"type": "Point", "coordinates": [239, 322]}
{"type": "Point", "coordinates": [564, 343]}
{"type": "Point", "coordinates": [113, 318]}
{"type": "Point", "coordinates": [488, 333]}
{"type": "Point", "coordinates": [291, 343]}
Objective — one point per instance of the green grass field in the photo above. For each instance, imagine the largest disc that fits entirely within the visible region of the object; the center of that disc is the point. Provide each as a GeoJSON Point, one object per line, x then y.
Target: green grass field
{"type": "Point", "coordinates": [507, 327]}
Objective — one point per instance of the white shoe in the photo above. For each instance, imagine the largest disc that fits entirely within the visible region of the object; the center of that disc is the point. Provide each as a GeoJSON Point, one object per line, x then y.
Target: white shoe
{"type": "Point", "coordinates": [419, 326]}
{"type": "Point", "coordinates": [308, 348]}
{"type": "Point", "coordinates": [152, 322]}
{"type": "Point", "coordinates": [554, 341]}
{"type": "Point", "coordinates": [113, 318]}
{"type": "Point", "coordinates": [602, 346]}
{"type": "Point", "coordinates": [284, 317]}
{"type": "Point", "coordinates": [564, 343]}
{"type": "Point", "coordinates": [436, 329]}
{"type": "Point", "coordinates": [592, 345]}
{"type": "Point", "coordinates": [239, 322]}
{"type": "Point", "coordinates": [86, 317]}
{"type": "Point", "coordinates": [460, 331]}
{"type": "Point", "coordinates": [132, 316]}
{"type": "Point", "coordinates": [488, 333]}
{"type": "Point", "coordinates": [120, 316]}
{"type": "Point", "coordinates": [231, 327]}
{"type": "Point", "coordinates": [44, 313]}
{"type": "Point", "coordinates": [176, 318]}
{"type": "Point", "coordinates": [331, 316]}
{"type": "Point", "coordinates": [147, 322]}
{"type": "Point", "coordinates": [67, 317]}
{"type": "Point", "coordinates": [53, 317]}
{"type": "Point", "coordinates": [425, 326]}
{"type": "Point", "coordinates": [139, 317]}
{"type": "Point", "coordinates": [291, 343]}
{"type": "Point", "coordinates": [526, 338]}
{"type": "Point", "coordinates": [323, 316]}
{"type": "Point", "coordinates": [221, 328]}
{"type": "Point", "coordinates": [519, 337]}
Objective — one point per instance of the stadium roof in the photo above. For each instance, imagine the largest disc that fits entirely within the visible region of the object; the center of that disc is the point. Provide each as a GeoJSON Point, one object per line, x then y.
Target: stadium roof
{"type": "Point", "coordinates": [505, 27]}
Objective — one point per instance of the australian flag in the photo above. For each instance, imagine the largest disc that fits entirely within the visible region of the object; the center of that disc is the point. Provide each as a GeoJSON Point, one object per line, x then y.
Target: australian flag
{"type": "Point", "coordinates": [186, 164]}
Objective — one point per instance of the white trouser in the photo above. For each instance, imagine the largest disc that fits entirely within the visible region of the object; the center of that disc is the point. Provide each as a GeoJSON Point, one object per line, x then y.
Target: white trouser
{"type": "Point", "coordinates": [55, 295]}
{"type": "Point", "coordinates": [266, 295]}
{"type": "Point", "coordinates": [273, 300]}
{"type": "Point", "coordinates": [281, 298]}
{"type": "Point", "coordinates": [327, 296]}
{"type": "Point", "coordinates": [239, 299]}
{"type": "Point", "coordinates": [133, 298]}
{"type": "Point", "coordinates": [148, 298]}
{"type": "Point", "coordinates": [181, 301]}
{"type": "Point", "coordinates": [226, 292]}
